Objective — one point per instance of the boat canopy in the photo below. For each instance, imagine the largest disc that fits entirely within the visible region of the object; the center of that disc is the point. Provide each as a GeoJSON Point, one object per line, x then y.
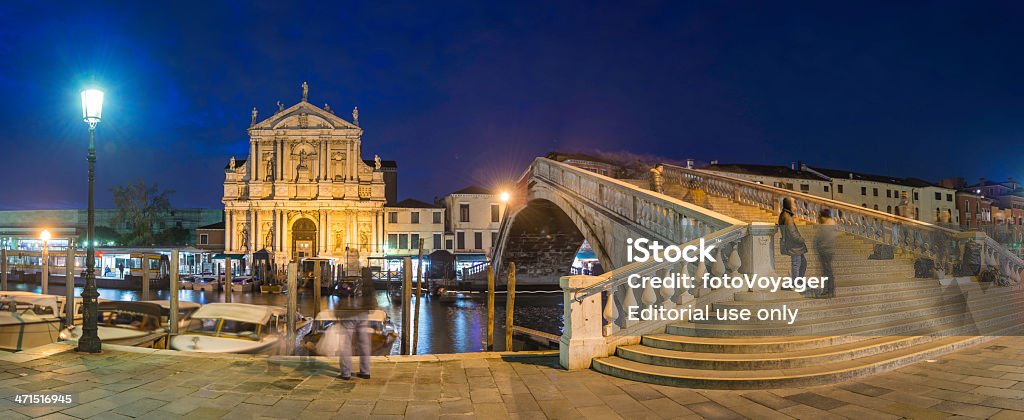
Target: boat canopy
{"type": "Point", "coordinates": [136, 308]}
{"type": "Point", "coordinates": [372, 315]}
{"type": "Point", "coordinates": [166, 304]}
{"type": "Point", "coordinates": [242, 312]}
{"type": "Point", "coordinates": [35, 299]}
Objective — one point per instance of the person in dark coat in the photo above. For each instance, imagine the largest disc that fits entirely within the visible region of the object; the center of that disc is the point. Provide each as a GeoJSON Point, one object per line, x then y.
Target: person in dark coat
{"type": "Point", "coordinates": [825, 246]}
{"type": "Point", "coordinates": [792, 243]}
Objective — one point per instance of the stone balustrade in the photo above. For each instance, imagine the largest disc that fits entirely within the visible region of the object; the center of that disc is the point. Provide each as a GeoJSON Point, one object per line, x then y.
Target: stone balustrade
{"type": "Point", "coordinates": [944, 246]}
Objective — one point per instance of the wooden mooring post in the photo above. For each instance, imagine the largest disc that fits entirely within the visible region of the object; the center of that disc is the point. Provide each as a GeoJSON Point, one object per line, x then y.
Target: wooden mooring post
{"type": "Point", "coordinates": [406, 294]}
{"type": "Point", "coordinates": [510, 305]}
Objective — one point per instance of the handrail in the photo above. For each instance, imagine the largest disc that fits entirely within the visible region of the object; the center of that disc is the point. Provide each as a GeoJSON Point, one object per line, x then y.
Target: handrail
{"type": "Point", "coordinates": [931, 241]}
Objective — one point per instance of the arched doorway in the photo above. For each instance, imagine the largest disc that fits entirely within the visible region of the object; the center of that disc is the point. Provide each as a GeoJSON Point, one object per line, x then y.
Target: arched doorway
{"type": "Point", "coordinates": [303, 239]}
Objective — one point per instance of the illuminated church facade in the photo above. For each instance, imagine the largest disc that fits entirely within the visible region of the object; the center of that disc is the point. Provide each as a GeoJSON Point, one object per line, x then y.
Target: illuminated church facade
{"type": "Point", "coordinates": [305, 191]}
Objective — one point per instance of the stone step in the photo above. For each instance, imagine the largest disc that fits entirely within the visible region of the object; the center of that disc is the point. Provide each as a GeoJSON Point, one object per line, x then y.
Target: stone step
{"type": "Point", "coordinates": [884, 323]}
{"type": "Point", "coordinates": [793, 358]}
{"type": "Point", "coordinates": [795, 377]}
{"type": "Point", "coordinates": [843, 298]}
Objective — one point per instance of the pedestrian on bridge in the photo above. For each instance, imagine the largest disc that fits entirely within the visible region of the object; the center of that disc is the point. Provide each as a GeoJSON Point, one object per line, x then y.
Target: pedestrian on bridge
{"type": "Point", "coordinates": [657, 182]}
{"type": "Point", "coordinates": [792, 243]}
{"type": "Point", "coordinates": [825, 246]}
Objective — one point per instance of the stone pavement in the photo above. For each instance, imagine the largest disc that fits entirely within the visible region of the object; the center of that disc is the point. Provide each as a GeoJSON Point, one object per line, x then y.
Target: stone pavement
{"type": "Point", "coordinates": [986, 381]}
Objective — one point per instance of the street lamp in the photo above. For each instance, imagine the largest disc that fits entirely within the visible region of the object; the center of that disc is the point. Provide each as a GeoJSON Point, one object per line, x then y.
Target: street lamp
{"type": "Point", "coordinates": [92, 109]}
{"type": "Point", "coordinates": [504, 196]}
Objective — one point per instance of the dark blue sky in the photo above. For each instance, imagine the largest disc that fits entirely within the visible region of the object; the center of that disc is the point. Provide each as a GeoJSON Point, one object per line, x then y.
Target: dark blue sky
{"type": "Point", "coordinates": [470, 93]}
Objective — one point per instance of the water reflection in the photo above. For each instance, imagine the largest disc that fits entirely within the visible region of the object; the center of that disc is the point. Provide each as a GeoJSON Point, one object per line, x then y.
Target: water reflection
{"type": "Point", "coordinates": [457, 327]}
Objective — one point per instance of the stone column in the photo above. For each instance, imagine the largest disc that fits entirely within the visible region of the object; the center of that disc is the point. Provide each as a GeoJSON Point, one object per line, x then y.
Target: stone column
{"type": "Point", "coordinates": [373, 241]}
{"type": "Point", "coordinates": [229, 231]}
{"type": "Point", "coordinates": [358, 159]}
{"type": "Point", "coordinates": [348, 160]}
{"type": "Point", "coordinates": [254, 163]}
{"type": "Point", "coordinates": [582, 339]}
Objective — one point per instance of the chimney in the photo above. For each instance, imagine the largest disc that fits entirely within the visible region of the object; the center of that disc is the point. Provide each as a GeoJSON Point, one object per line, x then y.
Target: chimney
{"type": "Point", "coordinates": [689, 163]}
{"type": "Point", "coordinates": [799, 165]}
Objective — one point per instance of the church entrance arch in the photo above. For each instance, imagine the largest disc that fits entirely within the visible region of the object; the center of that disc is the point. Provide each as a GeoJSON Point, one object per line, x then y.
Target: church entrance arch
{"type": "Point", "coordinates": [303, 239]}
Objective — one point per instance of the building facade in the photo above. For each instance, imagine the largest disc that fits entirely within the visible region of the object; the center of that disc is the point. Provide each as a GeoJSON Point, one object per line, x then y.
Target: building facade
{"type": "Point", "coordinates": [305, 191]}
{"type": "Point", "coordinates": [908, 197]}
{"type": "Point", "coordinates": [408, 221]}
{"type": "Point", "coordinates": [474, 217]}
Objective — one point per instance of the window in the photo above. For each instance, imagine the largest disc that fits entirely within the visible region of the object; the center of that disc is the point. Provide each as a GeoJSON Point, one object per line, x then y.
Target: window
{"type": "Point", "coordinates": [917, 213]}
{"type": "Point", "coordinates": [204, 239]}
{"type": "Point", "coordinates": [437, 241]}
{"type": "Point", "coordinates": [888, 193]}
{"type": "Point", "coordinates": [826, 188]}
{"type": "Point", "coordinates": [888, 209]}
{"type": "Point", "coordinates": [460, 240]}
{"type": "Point", "coordinates": [967, 205]}
{"type": "Point", "coordinates": [414, 242]}
{"type": "Point", "coordinates": [949, 197]}
{"type": "Point", "coordinates": [392, 217]}
{"type": "Point", "coordinates": [865, 205]}
{"type": "Point", "coordinates": [494, 239]}
{"type": "Point", "coordinates": [938, 196]}
{"type": "Point", "coordinates": [437, 217]}
{"type": "Point", "coordinates": [863, 190]}
{"type": "Point", "coordinates": [875, 191]}
{"type": "Point", "coordinates": [448, 244]}
{"type": "Point", "coordinates": [478, 240]}
{"type": "Point", "coordinates": [403, 241]}
{"type": "Point", "coordinates": [915, 196]}
{"type": "Point", "coordinates": [840, 187]}
{"type": "Point", "coordinates": [495, 213]}
{"type": "Point", "coordinates": [876, 208]}
{"type": "Point", "coordinates": [392, 241]}
{"type": "Point", "coordinates": [464, 212]}
{"type": "Point", "coordinates": [414, 217]}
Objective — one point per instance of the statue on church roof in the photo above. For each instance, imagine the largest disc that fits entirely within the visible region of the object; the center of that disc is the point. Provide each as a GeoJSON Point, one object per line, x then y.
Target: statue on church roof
{"type": "Point", "coordinates": [376, 161]}
{"type": "Point", "coordinates": [355, 115]}
{"type": "Point", "coordinates": [305, 91]}
{"type": "Point", "coordinates": [328, 108]}
{"type": "Point", "coordinates": [254, 112]}
{"type": "Point", "coordinates": [280, 106]}
{"type": "Point", "coordinates": [231, 164]}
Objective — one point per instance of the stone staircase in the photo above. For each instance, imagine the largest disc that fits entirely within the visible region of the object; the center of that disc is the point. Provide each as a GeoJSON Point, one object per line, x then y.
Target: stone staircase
{"type": "Point", "coordinates": [882, 318]}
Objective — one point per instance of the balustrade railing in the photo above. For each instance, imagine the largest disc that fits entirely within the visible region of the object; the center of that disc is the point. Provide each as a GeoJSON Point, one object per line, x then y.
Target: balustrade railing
{"type": "Point", "coordinates": [944, 246]}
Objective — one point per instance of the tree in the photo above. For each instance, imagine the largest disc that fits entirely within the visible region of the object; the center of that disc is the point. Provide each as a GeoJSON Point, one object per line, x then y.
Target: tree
{"type": "Point", "coordinates": [140, 207]}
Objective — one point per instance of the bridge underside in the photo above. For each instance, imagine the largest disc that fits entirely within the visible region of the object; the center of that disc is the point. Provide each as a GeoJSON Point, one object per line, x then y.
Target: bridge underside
{"type": "Point", "coordinates": [543, 242]}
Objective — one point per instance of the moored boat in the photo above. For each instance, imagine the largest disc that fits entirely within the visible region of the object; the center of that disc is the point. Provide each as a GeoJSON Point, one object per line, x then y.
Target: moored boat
{"type": "Point", "coordinates": [325, 338]}
{"type": "Point", "coordinates": [124, 322]}
{"type": "Point", "coordinates": [234, 328]}
{"type": "Point", "coordinates": [28, 320]}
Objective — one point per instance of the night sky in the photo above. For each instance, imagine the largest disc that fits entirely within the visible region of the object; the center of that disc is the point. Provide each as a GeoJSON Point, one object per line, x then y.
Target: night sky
{"type": "Point", "coordinates": [469, 94]}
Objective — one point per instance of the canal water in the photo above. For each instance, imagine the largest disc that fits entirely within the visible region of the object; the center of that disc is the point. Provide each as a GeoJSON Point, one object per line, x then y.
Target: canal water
{"type": "Point", "coordinates": [458, 327]}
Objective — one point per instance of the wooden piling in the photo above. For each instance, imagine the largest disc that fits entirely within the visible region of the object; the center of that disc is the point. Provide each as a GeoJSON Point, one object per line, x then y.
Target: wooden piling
{"type": "Point", "coordinates": [510, 305]}
{"type": "Point", "coordinates": [490, 308]}
{"type": "Point", "coordinates": [45, 272]}
{"type": "Point", "coordinates": [406, 295]}
{"type": "Point", "coordinates": [145, 277]}
{"type": "Point", "coordinates": [4, 268]}
{"type": "Point", "coordinates": [293, 303]}
{"type": "Point", "coordinates": [173, 319]}
{"type": "Point", "coordinates": [419, 296]}
{"type": "Point", "coordinates": [69, 286]}
{"type": "Point", "coordinates": [227, 279]}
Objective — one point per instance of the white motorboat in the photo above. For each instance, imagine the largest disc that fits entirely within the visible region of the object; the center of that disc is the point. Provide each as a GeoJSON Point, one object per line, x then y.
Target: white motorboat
{"type": "Point", "coordinates": [206, 284]}
{"type": "Point", "coordinates": [241, 284]}
{"type": "Point", "coordinates": [234, 328]}
{"type": "Point", "coordinates": [122, 322]}
{"type": "Point", "coordinates": [28, 320]}
{"type": "Point", "coordinates": [185, 283]}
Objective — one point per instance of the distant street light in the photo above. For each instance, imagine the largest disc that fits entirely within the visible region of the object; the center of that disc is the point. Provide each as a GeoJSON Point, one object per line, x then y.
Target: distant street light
{"type": "Point", "coordinates": [92, 109]}
{"type": "Point", "coordinates": [504, 196]}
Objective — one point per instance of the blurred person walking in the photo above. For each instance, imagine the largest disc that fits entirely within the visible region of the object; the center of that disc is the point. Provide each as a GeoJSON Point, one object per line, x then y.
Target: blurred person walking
{"type": "Point", "coordinates": [792, 243]}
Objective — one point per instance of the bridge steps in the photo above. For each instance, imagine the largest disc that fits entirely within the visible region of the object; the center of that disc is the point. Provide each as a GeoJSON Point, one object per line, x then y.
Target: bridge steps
{"type": "Point", "coordinates": [882, 318]}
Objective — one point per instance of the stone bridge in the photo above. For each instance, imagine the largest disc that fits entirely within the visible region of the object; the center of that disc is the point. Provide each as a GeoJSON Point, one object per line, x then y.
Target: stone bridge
{"type": "Point", "coordinates": [557, 206]}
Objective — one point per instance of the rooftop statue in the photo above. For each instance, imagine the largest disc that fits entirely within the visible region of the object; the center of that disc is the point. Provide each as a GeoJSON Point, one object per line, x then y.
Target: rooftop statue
{"type": "Point", "coordinates": [355, 115]}
{"type": "Point", "coordinates": [254, 112]}
{"type": "Point", "coordinates": [305, 91]}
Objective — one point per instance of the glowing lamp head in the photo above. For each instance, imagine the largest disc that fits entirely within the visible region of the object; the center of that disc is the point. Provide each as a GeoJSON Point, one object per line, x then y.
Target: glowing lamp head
{"type": "Point", "coordinates": [504, 196]}
{"type": "Point", "coordinates": [92, 106]}
{"type": "Point", "coordinates": [45, 235]}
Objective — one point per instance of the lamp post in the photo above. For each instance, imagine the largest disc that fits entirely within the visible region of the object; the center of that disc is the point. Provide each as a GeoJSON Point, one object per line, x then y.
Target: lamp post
{"type": "Point", "coordinates": [92, 108]}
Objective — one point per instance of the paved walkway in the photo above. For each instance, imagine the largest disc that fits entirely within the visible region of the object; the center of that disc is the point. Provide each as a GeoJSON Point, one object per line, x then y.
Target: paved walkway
{"type": "Point", "coordinates": [982, 382]}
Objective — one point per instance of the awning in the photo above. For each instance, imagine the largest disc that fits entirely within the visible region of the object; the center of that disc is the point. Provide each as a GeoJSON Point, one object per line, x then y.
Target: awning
{"type": "Point", "coordinates": [231, 256]}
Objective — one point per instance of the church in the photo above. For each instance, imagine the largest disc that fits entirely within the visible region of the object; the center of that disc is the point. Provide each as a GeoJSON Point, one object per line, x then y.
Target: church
{"type": "Point", "coordinates": [305, 191]}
